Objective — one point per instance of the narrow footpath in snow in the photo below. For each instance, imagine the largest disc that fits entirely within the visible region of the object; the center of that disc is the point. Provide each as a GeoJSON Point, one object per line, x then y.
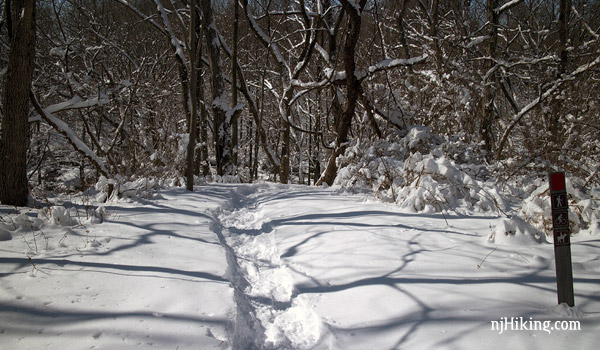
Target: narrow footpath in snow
{"type": "Point", "coordinates": [320, 269]}
{"type": "Point", "coordinates": [268, 266]}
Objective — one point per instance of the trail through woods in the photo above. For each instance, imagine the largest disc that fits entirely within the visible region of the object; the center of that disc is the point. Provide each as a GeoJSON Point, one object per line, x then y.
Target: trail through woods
{"type": "Point", "coordinates": [271, 266]}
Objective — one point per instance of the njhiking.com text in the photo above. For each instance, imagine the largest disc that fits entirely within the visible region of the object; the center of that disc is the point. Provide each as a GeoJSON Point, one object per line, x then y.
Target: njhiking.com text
{"type": "Point", "coordinates": [506, 324]}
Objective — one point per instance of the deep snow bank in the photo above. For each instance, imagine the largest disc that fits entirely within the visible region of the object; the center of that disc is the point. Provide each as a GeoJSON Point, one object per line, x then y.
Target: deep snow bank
{"type": "Point", "coordinates": [427, 173]}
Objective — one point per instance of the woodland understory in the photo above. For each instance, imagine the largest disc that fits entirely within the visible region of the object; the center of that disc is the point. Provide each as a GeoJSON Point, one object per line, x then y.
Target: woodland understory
{"type": "Point", "coordinates": [499, 92]}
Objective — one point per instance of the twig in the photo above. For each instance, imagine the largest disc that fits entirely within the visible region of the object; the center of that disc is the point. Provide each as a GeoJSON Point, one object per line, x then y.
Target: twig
{"type": "Point", "coordinates": [32, 264]}
{"type": "Point", "coordinates": [482, 261]}
{"type": "Point", "coordinates": [27, 243]}
{"type": "Point", "coordinates": [45, 237]}
{"type": "Point", "coordinates": [521, 256]}
{"type": "Point", "coordinates": [64, 237]}
{"type": "Point", "coordinates": [34, 240]}
{"type": "Point", "coordinates": [444, 215]}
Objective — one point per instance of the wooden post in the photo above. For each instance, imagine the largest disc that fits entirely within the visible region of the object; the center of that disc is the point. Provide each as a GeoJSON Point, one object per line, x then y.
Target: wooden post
{"type": "Point", "coordinates": [562, 238]}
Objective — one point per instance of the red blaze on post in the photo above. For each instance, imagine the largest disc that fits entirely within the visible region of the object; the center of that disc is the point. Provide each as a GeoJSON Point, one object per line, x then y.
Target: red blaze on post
{"type": "Point", "coordinates": [558, 181]}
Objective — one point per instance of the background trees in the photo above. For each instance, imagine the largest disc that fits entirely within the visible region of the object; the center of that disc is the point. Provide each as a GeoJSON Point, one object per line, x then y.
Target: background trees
{"type": "Point", "coordinates": [129, 79]}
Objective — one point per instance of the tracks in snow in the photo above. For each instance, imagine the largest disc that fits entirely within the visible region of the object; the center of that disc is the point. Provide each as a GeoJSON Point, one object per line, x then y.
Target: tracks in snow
{"type": "Point", "coordinates": [269, 313]}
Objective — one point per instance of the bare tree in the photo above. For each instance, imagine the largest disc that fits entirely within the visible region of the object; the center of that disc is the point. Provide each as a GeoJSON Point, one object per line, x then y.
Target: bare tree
{"type": "Point", "coordinates": [194, 62]}
{"type": "Point", "coordinates": [14, 138]}
{"type": "Point", "coordinates": [300, 51]}
{"type": "Point", "coordinates": [352, 87]}
{"type": "Point", "coordinates": [313, 77]}
{"type": "Point", "coordinates": [223, 116]}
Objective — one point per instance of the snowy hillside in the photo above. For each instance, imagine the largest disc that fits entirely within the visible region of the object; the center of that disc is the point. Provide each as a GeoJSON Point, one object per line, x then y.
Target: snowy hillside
{"type": "Point", "coordinates": [283, 267]}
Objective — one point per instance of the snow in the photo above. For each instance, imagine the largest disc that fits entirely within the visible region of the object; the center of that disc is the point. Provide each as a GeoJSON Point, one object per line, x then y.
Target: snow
{"type": "Point", "coordinates": [506, 6]}
{"type": "Point", "coordinates": [389, 64]}
{"type": "Point", "coordinates": [221, 102]}
{"type": "Point", "coordinates": [323, 52]}
{"type": "Point", "coordinates": [177, 44]}
{"type": "Point", "coordinates": [269, 43]}
{"type": "Point", "coordinates": [477, 40]}
{"type": "Point", "coordinates": [584, 212]}
{"type": "Point", "coordinates": [114, 285]}
{"type": "Point", "coordinates": [236, 109]}
{"type": "Point", "coordinates": [385, 64]}
{"type": "Point", "coordinates": [70, 134]}
{"type": "Point", "coordinates": [420, 172]}
{"type": "Point", "coordinates": [77, 102]}
{"type": "Point", "coordinates": [268, 266]}
{"type": "Point", "coordinates": [59, 52]}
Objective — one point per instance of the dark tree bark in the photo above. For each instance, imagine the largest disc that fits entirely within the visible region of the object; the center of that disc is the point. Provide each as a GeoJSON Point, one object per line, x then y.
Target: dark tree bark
{"type": "Point", "coordinates": [221, 120]}
{"type": "Point", "coordinates": [14, 140]}
{"type": "Point", "coordinates": [284, 173]}
{"type": "Point", "coordinates": [487, 102]}
{"type": "Point", "coordinates": [194, 54]}
{"type": "Point", "coordinates": [557, 136]}
{"type": "Point", "coordinates": [234, 88]}
{"type": "Point", "coordinates": [203, 161]}
{"type": "Point", "coordinates": [352, 89]}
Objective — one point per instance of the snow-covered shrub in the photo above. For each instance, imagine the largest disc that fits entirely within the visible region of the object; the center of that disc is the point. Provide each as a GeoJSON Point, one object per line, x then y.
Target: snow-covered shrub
{"type": "Point", "coordinates": [105, 188]}
{"type": "Point", "coordinates": [423, 172]}
{"type": "Point", "coordinates": [584, 208]}
{"type": "Point", "coordinates": [60, 216]}
{"type": "Point", "coordinates": [226, 179]}
{"type": "Point", "coordinates": [514, 231]}
{"type": "Point", "coordinates": [437, 183]}
{"type": "Point", "coordinates": [18, 223]}
{"type": "Point", "coordinates": [119, 188]}
{"type": "Point", "coordinates": [417, 173]}
{"type": "Point", "coordinates": [24, 222]}
{"type": "Point", "coordinates": [140, 188]}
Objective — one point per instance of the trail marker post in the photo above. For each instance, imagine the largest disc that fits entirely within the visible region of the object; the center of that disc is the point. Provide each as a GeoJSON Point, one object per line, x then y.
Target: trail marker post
{"type": "Point", "coordinates": [562, 238]}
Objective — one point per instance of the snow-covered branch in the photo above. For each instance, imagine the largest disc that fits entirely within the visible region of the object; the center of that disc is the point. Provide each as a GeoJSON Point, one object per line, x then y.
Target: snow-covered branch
{"type": "Point", "coordinates": [522, 62]}
{"type": "Point", "coordinates": [551, 90]}
{"type": "Point", "coordinates": [389, 64]}
{"type": "Point", "coordinates": [339, 77]}
{"type": "Point", "coordinates": [587, 27]}
{"type": "Point", "coordinates": [177, 44]}
{"type": "Point", "coordinates": [268, 42]}
{"type": "Point", "coordinates": [142, 15]}
{"type": "Point", "coordinates": [507, 6]}
{"type": "Point", "coordinates": [66, 131]}
{"type": "Point", "coordinates": [77, 102]}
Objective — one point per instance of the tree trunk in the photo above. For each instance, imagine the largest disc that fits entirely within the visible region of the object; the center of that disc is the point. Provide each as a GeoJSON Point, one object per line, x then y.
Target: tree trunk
{"type": "Point", "coordinates": [194, 53]}
{"type": "Point", "coordinates": [487, 102]}
{"type": "Point", "coordinates": [554, 127]}
{"type": "Point", "coordinates": [284, 173]}
{"type": "Point", "coordinates": [222, 126]}
{"type": "Point", "coordinates": [316, 161]}
{"type": "Point", "coordinates": [14, 138]}
{"type": "Point", "coordinates": [352, 90]}
{"type": "Point", "coordinates": [204, 137]}
{"type": "Point", "coordinates": [234, 90]}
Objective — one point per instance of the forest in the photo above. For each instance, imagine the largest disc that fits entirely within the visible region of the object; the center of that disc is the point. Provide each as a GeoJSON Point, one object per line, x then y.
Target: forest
{"type": "Point", "coordinates": [302, 174]}
{"type": "Point", "coordinates": [249, 90]}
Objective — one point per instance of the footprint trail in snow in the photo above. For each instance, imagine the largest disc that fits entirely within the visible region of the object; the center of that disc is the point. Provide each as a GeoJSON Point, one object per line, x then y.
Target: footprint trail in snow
{"type": "Point", "coordinates": [264, 283]}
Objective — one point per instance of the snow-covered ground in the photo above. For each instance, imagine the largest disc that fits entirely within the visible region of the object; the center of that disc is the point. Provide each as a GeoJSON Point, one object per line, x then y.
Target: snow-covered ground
{"type": "Point", "coordinates": [150, 276]}
{"type": "Point", "coordinates": [286, 267]}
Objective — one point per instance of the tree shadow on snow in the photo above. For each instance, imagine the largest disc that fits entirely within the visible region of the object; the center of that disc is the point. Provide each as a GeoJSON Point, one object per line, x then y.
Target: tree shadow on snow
{"type": "Point", "coordinates": [106, 268]}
